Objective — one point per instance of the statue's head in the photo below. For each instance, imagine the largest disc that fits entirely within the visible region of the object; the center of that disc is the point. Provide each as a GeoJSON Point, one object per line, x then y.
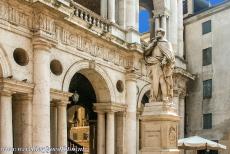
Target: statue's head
{"type": "Point", "coordinates": [160, 33]}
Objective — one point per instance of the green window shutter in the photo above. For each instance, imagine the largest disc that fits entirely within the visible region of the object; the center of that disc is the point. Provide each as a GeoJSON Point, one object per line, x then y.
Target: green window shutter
{"type": "Point", "coordinates": [207, 89]}
{"type": "Point", "coordinates": [207, 121]}
{"type": "Point", "coordinates": [207, 56]}
{"type": "Point", "coordinates": [206, 27]}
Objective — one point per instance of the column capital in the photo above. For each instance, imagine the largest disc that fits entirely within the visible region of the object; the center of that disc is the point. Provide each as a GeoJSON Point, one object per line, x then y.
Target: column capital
{"type": "Point", "coordinates": [4, 92]}
{"type": "Point", "coordinates": [41, 43]}
{"type": "Point", "coordinates": [62, 103]}
{"type": "Point", "coordinates": [25, 97]}
{"type": "Point", "coordinates": [121, 114]}
{"type": "Point", "coordinates": [14, 86]}
{"type": "Point", "coordinates": [131, 76]}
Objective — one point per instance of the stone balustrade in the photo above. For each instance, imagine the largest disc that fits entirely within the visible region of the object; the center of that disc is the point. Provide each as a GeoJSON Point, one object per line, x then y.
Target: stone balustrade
{"type": "Point", "coordinates": [90, 17]}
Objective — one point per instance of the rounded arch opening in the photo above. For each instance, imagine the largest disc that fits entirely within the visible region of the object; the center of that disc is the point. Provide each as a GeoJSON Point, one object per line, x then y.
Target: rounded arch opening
{"type": "Point", "coordinates": [144, 96]}
{"type": "Point", "coordinates": [92, 85]}
{"type": "Point", "coordinates": [105, 91]}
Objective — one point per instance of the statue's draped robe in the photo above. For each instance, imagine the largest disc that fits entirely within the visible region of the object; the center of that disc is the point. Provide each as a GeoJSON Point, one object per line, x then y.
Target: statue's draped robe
{"type": "Point", "coordinates": [155, 55]}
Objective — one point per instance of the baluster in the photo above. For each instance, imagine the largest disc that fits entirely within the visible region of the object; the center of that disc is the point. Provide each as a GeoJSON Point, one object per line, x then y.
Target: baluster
{"type": "Point", "coordinates": [94, 21]}
{"type": "Point", "coordinates": [98, 23]}
{"type": "Point", "coordinates": [81, 15]}
{"type": "Point", "coordinates": [86, 17]}
{"type": "Point", "coordinates": [102, 25]}
{"type": "Point", "coordinates": [76, 12]}
{"type": "Point", "coordinates": [90, 19]}
{"type": "Point", "coordinates": [106, 27]}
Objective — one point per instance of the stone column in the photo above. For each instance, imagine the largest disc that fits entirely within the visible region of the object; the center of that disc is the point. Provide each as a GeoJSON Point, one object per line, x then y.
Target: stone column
{"type": "Point", "coordinates": [104, 9]}
{"type": "Point", "coordinates": [137, 14]}
{"type": "Point", "coordinates": [180, 29]}
{"type": "Point", "coordinates": [164, 23]}
{"type": "Point", "coordinates": [111, 10]}
{"type": "Point", "coordinates": [173, 25]}
{"type": "Point", "coordinates": [131, 14]}
{"type": "Point", "coordinates": [62, 125]}
{"type": "Point", "coordinates": [157, 23]}
{"type": "Point", "coordinates": [181, 114]}
{"type": "Point", "coordinates": [101, 133]}
{"type": "Point", "coordinates": [122, 13]}
{"type": "Point", "coordinates": [22, 121]}
{"type": "Point", "coordinates": [53, 126]}
{"type": "Point", "coordinates": [138, 131]}
{"type": "Point", "coordinates": [110, 133]}
{"type": "Point", "coordinates": [6, 129]}
{"type": "Point", "coordinates": [41, 97]}
{"type": "Point", "coordinates": [120, 132]}
{"type": "Point", "coordinates": [131, 121]}
{"type": "Point", "coordinates": [152, 28]}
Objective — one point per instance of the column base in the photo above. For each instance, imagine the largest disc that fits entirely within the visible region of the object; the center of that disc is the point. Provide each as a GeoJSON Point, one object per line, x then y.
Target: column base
{"type": "Point", "coordinates": [159, 129]}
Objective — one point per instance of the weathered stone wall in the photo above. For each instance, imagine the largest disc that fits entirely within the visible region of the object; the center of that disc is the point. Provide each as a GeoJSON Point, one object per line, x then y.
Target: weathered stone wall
{"type": "Point", "coordinates": [218, 71]}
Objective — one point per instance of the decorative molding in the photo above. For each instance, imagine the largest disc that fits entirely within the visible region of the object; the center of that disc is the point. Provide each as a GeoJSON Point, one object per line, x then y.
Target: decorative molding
{"type": "Point", "coordinates": [109, 107]}
{"type": "Point", "coordinates": [15, 86]}
{"type": "Point", "coordinates": [60, 96]}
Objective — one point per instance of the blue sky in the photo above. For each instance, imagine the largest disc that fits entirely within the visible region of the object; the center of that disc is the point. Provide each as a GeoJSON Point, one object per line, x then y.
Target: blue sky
{"type": "Point", "coordinates": [214, 2]}
{"type": "Point", "coordinates": [144, 17]}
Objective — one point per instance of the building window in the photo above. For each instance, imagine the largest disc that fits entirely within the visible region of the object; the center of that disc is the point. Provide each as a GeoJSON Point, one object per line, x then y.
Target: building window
{"type": "Point", "coordinates": [206, 27]}
{"type": "Point", "coordinates": [207, 121]}
{"type": "Point", "coordinates": [185, 6]}
{"type": "Point", "coordinates": [207, 89]}
{"type": "Point", "coordinates": [207, 56]}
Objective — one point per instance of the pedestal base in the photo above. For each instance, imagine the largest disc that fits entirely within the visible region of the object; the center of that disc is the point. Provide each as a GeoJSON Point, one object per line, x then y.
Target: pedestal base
{"type": "Point", "coordinates": [159, 129]}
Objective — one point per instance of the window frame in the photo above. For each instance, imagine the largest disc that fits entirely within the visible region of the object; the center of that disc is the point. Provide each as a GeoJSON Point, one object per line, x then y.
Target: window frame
{"type": "Point", "coordinates": [206, 118]}
{"type": "Point", "coordinates": [207, 96]}
{"type": "Point", "coordinates": [205, 59]}
{"type": "Point", "coordinates": [206, 30]}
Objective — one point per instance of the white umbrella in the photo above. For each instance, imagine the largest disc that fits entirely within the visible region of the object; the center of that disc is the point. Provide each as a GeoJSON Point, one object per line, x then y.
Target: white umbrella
{"type": "Point", "coordinates": [199, 143]}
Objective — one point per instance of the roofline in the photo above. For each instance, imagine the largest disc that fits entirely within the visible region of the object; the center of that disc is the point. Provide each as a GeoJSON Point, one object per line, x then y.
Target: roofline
{"type": "Point", "coordinates": [207, 12]}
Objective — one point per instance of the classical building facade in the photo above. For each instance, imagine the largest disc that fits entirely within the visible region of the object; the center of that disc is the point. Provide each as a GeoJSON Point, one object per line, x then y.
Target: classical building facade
{"type": "Point", "coordinates": [73, 74]}
{"type": "Point", "coordinates": [207, 54]}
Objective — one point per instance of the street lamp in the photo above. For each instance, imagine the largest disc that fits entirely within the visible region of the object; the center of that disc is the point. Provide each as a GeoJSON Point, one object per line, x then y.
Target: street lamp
{"type": "Point", "coordinates": [75, 97]}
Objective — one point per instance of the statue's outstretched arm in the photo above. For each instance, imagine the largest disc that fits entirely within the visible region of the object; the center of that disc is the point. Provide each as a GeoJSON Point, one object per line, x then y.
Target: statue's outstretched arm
{"type": "Point", "coordinates": [149, 48]}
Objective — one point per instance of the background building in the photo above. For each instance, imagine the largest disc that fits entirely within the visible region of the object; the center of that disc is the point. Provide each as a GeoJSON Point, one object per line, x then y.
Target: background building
{"type": "Point", "coordinates": [207, 51]}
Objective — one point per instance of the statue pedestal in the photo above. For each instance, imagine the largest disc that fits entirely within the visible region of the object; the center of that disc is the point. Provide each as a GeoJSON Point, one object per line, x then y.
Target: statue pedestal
{"type": "Point", "coordinates": [159, 129]}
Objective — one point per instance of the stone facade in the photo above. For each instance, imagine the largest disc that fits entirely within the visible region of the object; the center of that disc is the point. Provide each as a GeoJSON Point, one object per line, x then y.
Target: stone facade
{"type": "Point", "coordinates": [218, 71]}
{"type": "Point", "coordinates": [34, 99]}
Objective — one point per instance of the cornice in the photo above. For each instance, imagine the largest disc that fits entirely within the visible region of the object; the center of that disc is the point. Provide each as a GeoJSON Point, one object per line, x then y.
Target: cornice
{"type": "Point", "coordinates": [15, 86]}
{"type": "Point", "coordinates": [109, 107]}
{"type": "Point", "coordinates": [184, 73]}
{"type": "Point", "coordinates": [207, 13]}
{"type": "Point", "coordinates": [58, 95]}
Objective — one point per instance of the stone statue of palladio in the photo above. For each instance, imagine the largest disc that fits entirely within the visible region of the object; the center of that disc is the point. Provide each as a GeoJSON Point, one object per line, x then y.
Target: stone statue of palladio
{"type": "Point", "coordinates": [159, 56]}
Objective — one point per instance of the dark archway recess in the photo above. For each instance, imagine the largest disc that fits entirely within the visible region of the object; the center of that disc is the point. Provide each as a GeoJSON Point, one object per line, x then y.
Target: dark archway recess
{"type": "Point", "coordinates": [87, 96]}
{"type": "Point", "coordinates": [93, 5]}
{"type": "Point", "coordinates": [145, 98]}
{"type": "Point", "coordinates": [82, 86]}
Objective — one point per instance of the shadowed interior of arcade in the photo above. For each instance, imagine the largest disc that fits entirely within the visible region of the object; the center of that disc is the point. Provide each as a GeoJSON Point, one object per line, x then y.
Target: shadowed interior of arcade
{"type": "Point", "coordinates": [82, 120]}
